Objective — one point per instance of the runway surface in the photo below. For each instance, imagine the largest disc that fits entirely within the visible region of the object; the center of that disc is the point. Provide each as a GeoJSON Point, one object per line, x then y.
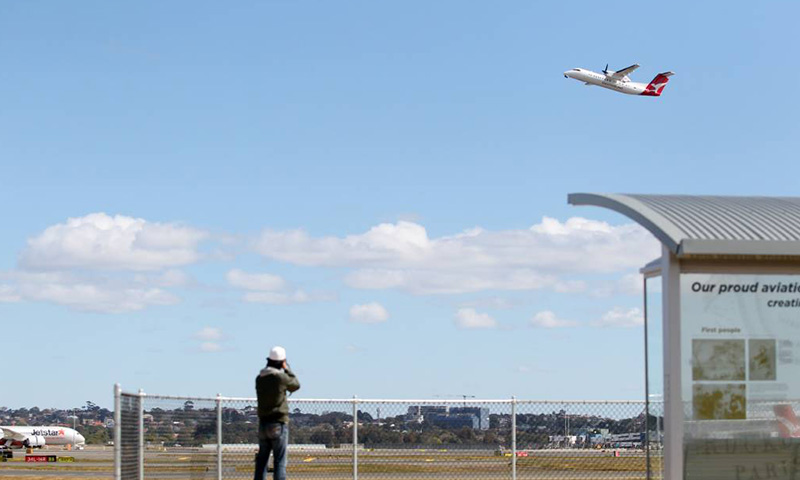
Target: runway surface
{"type": "Point", "coordinates": [374, 464]}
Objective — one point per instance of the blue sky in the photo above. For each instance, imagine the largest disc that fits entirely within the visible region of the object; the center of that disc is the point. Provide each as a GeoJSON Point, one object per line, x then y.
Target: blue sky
{"type": "Point", "coordinates": [223, 166]}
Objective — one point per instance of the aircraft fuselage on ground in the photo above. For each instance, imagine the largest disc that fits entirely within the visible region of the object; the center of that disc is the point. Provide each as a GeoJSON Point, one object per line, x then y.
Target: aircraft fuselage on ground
{"type": "Point", "coordinates": [37, 437]}
{"type": "Point", "coordinates": [619, 81]}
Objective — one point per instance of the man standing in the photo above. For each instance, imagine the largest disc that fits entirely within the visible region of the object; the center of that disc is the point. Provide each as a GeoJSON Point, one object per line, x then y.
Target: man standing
{"type": "Point", "coordinates": [273, 413]}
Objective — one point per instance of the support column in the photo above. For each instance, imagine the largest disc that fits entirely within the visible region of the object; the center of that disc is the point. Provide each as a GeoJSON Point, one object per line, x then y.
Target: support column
{"type": "Point", "coordinates": [141, 434]}
{"type": "Point", "coordinates": [117, 432]}
{"type": "Point", "coordinates": [673, 401]}
{"type": "Point", "coordinates": [355, 438]}
{"type": "Point", "coordinates": [219, 437]}
{"type": "Point", "coordinates": [513, 438]}
{"type": "Point", "coordinates": [649, 474]}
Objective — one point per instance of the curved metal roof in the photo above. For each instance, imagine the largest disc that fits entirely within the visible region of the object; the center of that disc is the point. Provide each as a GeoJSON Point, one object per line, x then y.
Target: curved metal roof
{"type": "Point", "coordinates": [710, 225]}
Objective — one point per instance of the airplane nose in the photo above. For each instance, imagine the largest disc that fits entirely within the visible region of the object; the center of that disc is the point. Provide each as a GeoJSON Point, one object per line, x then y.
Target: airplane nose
{"type": "Point", "coordinates": [81, 439]}
{"type": "Point", "coordinates": [566, 74]}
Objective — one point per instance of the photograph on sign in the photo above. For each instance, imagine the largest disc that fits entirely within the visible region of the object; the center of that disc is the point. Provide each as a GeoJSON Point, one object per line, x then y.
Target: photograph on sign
{"type": "Point", "coordinates": [740, 374]}
{"type": "Point", "coordinates": [718, 360]}
{"type": "Point", "coordinates": [727, 401]}
{"type": "Point", "coordinates": [762, 359]}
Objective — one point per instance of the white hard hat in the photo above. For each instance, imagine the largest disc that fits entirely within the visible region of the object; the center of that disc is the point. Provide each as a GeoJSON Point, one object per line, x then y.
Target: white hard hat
{"type": "Point", "coordinates": [278, 354]}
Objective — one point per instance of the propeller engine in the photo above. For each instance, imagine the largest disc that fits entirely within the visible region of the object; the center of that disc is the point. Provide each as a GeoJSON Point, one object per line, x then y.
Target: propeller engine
{"type": "Point", "coordinates": [605, 70]}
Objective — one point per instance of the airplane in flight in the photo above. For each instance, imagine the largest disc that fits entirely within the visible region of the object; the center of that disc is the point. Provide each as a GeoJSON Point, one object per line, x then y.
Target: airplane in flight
{"type": "Point", "coordinates": [620, 82]}
{"type": "Point", "coordinates": [38, 437]}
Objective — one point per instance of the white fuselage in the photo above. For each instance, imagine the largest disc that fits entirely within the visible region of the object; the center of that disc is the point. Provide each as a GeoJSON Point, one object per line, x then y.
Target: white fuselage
{"type": "Point", "coordinates": [622, 85]}
{"type": "Point", "coordinates": [10, 436]}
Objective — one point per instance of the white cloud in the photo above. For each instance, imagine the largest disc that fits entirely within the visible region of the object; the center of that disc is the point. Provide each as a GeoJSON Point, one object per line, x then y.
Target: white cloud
{"type": "Point", "coordinates": [8, 294]}
{"type": "Point", "coordinates": [173, 278]}
{"type": "Point", "coordinates": [621, 317]}
{"type": "Point", "coordinates": [381, 244]}
{"type": "Point", "coordinates": [210, 347]}
{"type": "Point", "coordinates": [91, 294]}
{"type": "Point", "coordinates": [403, 256]}
{"type": "Point", "coordinates": [548, 319]}
{"type": "Point", "coordinates": [494, 303]}
{"type": "Point", "coordinates": [211, 339]}
{"type": "Point", "coordinates": [453, 281]}
{"type": "Point", "coordinates": [102, 242]}
{"type": "Point", "coordinates": [281, 298]}
{"type": "Point", "coordinates": [631, 284]}
{"type": "Point", "coordinates": [167, 279]}
{"type": "Point", "coordinates": [209, 334]}
{"type": "Point", "coordinates": [270, 289]}
{"type": "Point", "coordinates": [99, 263]}
{"type": "Point", "coordinates": [255, 281]}
{"type": "Point", "coordinates": [368, 313]}
{"type": "Point", "coordinates": [628, 284]}
{"type": "Point", "coordinates": [577, 245]}
{"type": "Point", "coordinates": [469, 318]}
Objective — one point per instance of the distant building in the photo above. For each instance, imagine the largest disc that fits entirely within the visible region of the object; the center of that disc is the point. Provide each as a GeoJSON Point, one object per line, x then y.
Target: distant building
{"type": "Point", "coordinates": [433, 410]}
{"type": "Point", "coordinates": [450, 418]}
{"type": "Point", "coordinates": [563, 440]}
{"type": "Point", "coordinates": [418, 413]}
{"type": "Point", "coordinates": [453, 422]}
{"type": "Point", "coordinates": [481, 413]}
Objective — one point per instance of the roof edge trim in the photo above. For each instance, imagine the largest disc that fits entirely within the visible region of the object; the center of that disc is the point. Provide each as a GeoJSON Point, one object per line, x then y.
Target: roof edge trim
{"type": "Point", "coordinates": [652, 269]}
{"type": "Point", "coordinates": [652, 221]}
{"type": "Point", "coordinates": [740, 247]}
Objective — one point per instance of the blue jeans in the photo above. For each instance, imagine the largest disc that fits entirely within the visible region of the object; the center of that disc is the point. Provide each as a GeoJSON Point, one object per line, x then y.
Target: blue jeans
{"type": "Point", "coordinates": [272, 437]}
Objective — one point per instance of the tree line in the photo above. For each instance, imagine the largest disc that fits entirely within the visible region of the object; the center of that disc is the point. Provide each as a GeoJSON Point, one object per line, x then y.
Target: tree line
{"type": "Point", "coordinates": [195, 427]}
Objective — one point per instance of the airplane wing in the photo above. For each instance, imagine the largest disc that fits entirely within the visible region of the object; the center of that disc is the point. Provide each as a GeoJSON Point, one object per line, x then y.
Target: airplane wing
{"type": "Point", "coordinates": [625, 71]}
{"type": "Point", "coordinates": [10, 433]}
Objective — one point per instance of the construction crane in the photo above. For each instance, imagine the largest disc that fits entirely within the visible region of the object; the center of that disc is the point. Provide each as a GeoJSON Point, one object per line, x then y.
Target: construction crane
{"type": "Point", "coordinates": [463, 396]}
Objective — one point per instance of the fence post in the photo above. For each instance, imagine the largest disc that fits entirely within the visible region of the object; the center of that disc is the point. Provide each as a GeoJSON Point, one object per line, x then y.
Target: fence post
{"type": "Point", "coordinates": [117, 432]}
{"type": "Point", "coordinates": [513, 438]}
{"type": "Point", "coordinates": [141, 434]}
{"type": "Point", "coordinates": [355, 438]}
{"type": "Point", "coordinates": [219, 437]}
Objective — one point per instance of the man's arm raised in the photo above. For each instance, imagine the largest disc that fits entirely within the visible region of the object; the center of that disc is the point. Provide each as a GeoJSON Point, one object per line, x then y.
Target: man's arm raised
{"type": "Point", "coordinates": [293, 383]}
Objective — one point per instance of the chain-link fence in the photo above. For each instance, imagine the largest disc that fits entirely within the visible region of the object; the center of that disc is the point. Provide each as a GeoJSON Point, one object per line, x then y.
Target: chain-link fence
{"type": "Point", "coordinates": [207, 438]}
{"type": "Point", "coordinates": [127, 435]}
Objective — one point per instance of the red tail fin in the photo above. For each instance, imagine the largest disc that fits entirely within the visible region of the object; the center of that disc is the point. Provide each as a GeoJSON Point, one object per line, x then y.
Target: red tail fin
{"type": "Point", "coordinates": [788, 424]}
{"type": "Point", "coordinates": [657, 85]}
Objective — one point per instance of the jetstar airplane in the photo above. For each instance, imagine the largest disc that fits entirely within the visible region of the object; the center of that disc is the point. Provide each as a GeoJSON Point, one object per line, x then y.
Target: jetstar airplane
{"type": "Point", "coordinates": [619, 81]}
{"type": "Point", "coordinates": [38, 437]}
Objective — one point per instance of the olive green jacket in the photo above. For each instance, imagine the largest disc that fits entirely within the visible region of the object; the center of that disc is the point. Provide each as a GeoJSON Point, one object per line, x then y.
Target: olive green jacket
{"type": "Point", "coordinates": [271, 387]}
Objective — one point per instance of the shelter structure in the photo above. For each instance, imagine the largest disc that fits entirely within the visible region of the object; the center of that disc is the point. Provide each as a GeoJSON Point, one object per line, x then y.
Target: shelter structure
{"type": "Point", "coordinates": [730, 293]}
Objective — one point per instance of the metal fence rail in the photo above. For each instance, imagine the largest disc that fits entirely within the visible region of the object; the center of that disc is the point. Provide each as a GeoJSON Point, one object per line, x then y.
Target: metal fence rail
{"type": "Point", "coordinates": [337, 439]}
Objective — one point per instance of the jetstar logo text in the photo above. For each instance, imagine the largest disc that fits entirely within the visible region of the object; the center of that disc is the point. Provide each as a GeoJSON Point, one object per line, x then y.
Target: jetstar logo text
{"type": "Point", "coordinates": [48, 433]}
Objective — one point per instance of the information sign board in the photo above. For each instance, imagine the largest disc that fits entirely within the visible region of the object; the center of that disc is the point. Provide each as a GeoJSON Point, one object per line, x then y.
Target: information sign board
{"type": "Point", "coordinates": [740, 375]}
